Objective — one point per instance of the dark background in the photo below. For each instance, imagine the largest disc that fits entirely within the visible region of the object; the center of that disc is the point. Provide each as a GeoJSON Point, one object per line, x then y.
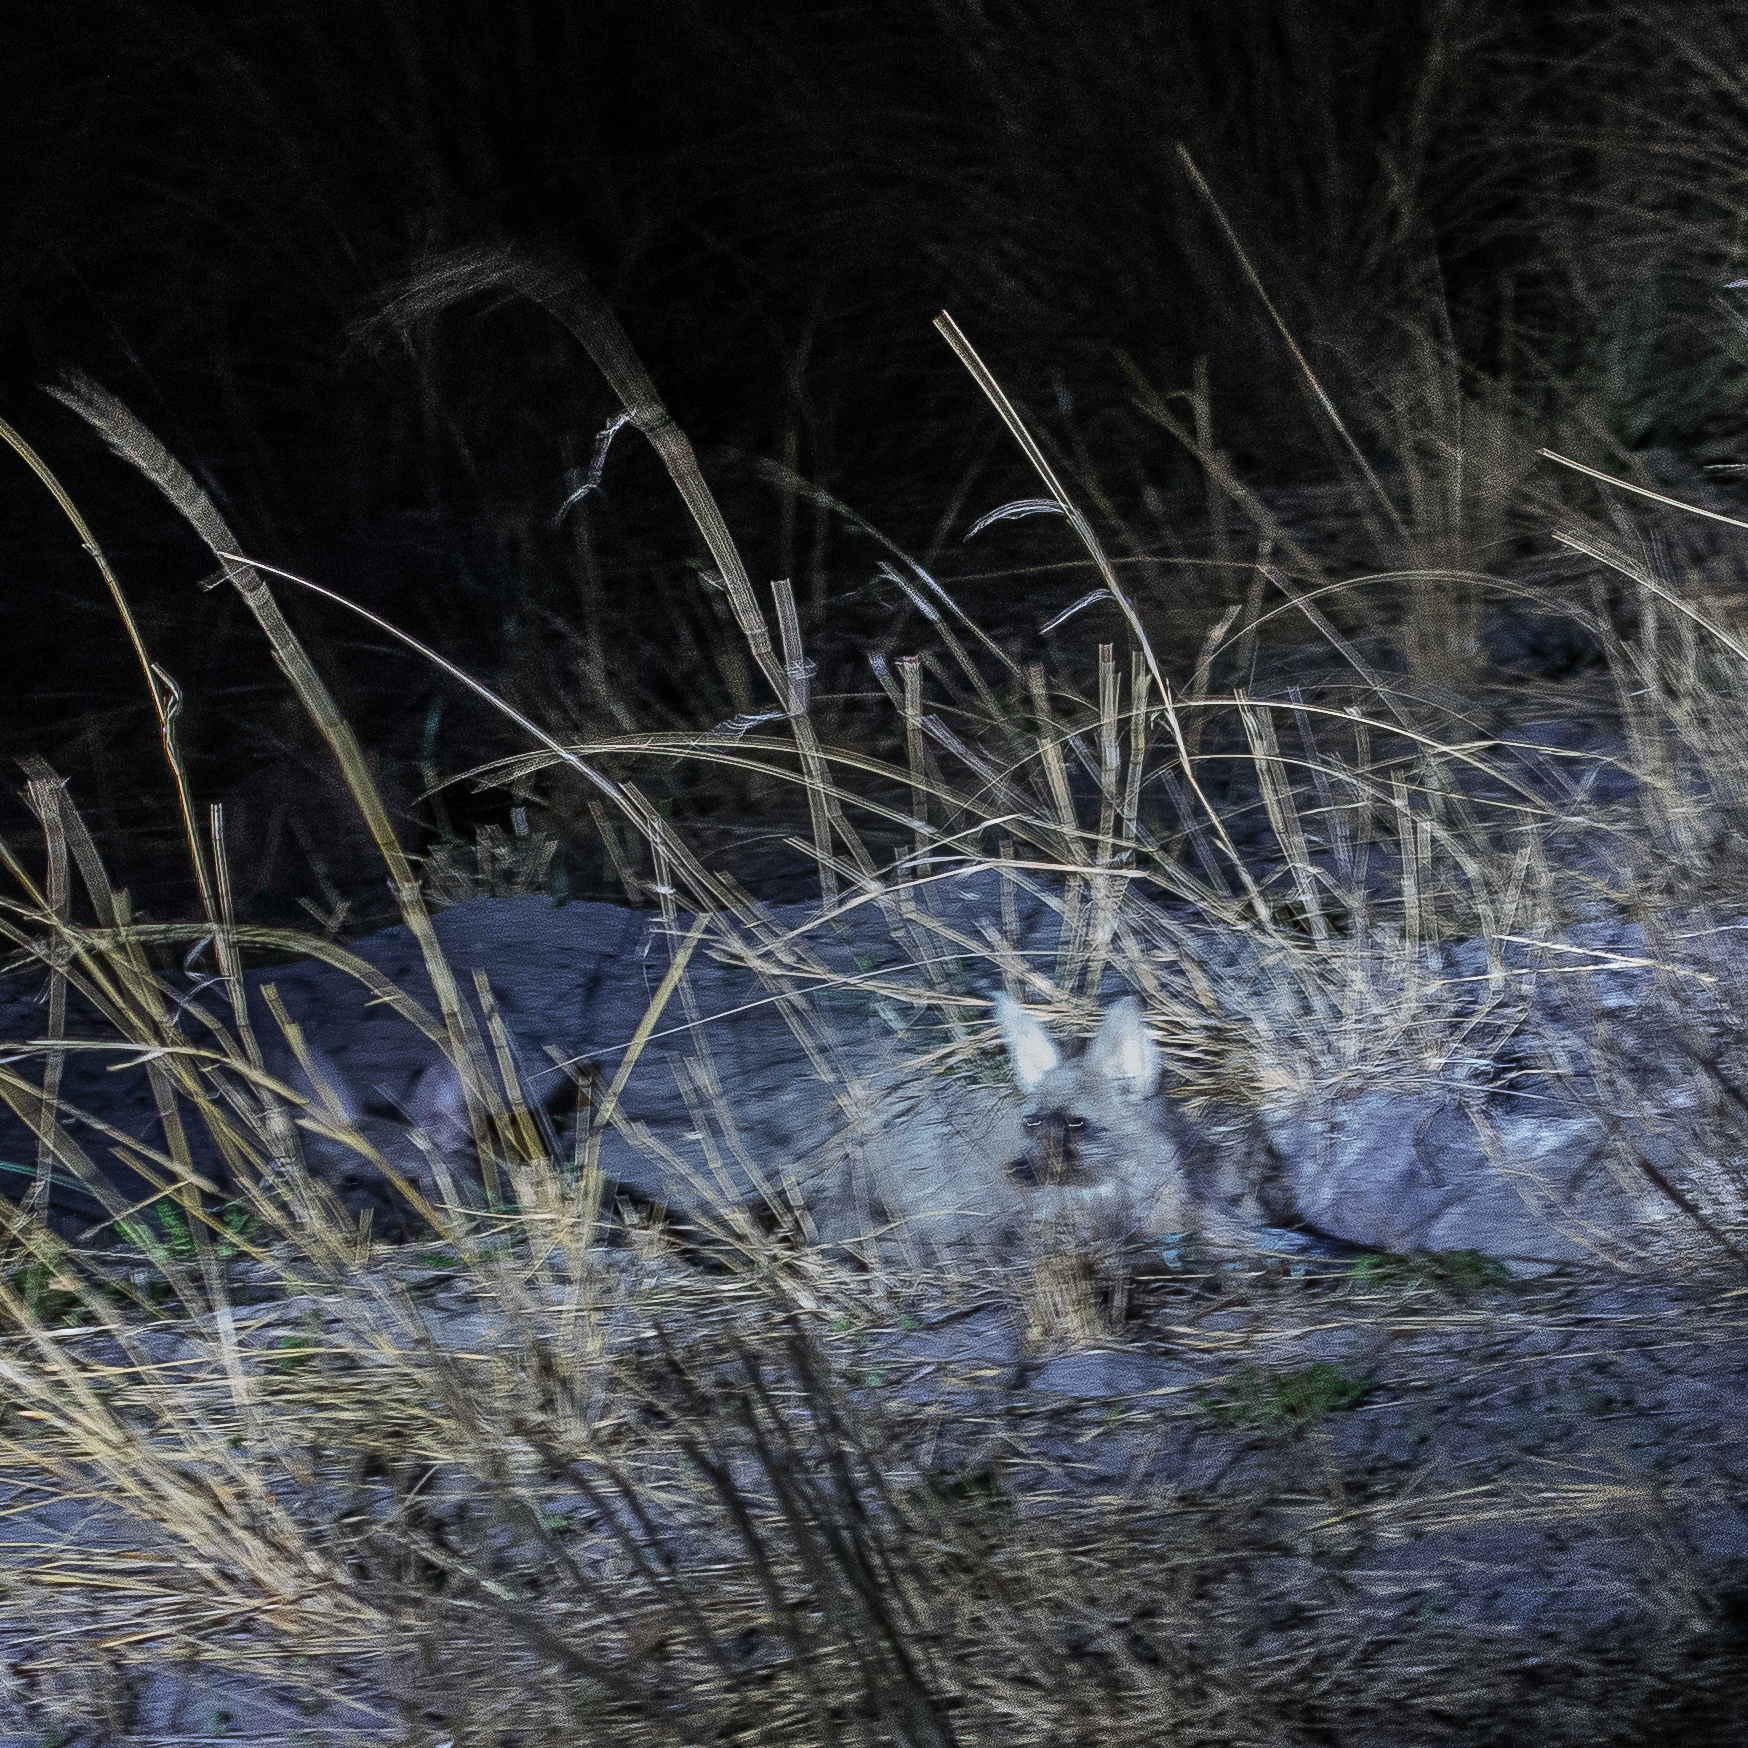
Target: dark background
{"type": "Point", "coordinates": [204, 206]}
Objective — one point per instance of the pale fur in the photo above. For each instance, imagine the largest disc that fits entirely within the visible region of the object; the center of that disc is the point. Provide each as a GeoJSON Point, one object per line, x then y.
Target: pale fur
{"type": "Point", "coordinates": [1099, 1152]}
{"type": "Point", "coordinates": [1084, 1151]}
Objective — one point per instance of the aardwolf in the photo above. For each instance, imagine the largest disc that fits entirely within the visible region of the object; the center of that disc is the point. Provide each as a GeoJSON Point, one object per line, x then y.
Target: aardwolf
{"type": "Point", "coordinates": [1091, 1160]}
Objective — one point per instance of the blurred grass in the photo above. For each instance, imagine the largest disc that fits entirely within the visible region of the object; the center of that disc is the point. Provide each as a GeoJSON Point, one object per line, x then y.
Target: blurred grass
{"type": "Point", "coordinates": [1537, 205]}
{"type": "Point", "coordinates": [548, 1480]}
{"type": "Point", "coordinates": [552, 1477]}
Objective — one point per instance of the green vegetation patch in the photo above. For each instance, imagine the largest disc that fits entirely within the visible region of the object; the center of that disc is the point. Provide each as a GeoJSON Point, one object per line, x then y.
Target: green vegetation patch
{"type": "Point", "coordinates": [1461, 1271]}
{"type": "Point", "coordinates": [1284, 1403]}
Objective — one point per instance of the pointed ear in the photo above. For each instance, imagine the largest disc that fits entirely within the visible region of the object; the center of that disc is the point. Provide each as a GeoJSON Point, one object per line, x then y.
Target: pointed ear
{"type": "Point", "coordinates": [1030, 1050]}
{"type": "Point", "coordinates": [325, 1087]}
{"type": "Point", "coordinates": [1124, 1052]}
{"type": "Point", "coordinates": [439, 1103]}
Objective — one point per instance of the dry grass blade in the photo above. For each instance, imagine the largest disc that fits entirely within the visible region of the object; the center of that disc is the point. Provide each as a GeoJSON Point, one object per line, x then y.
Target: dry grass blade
{"type": "Point", "coordinates": [1330, 410]}
{"type": "Point", "coordinates": [166, 701]}
{"type": "Point", "coordinates": [136, 444]}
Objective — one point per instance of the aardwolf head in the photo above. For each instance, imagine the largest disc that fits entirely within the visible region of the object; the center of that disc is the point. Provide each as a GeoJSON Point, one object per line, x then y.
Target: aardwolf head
{"type": "Point", "coordinates": [342, 1153]}
{"type": "Point", "coordinates": [1092, 1123]}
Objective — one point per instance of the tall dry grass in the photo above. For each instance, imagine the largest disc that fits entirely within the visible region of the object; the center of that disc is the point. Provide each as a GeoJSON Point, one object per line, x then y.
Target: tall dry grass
{"type": "Point", "coordinates": [548, 1479]}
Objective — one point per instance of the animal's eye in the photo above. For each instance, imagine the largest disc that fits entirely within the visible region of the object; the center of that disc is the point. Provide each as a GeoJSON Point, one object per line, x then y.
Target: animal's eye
{"type": "Point", "coordinates": [1031, 1122]}
{"type": "Point", "coordinates": [1077, 1122]}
